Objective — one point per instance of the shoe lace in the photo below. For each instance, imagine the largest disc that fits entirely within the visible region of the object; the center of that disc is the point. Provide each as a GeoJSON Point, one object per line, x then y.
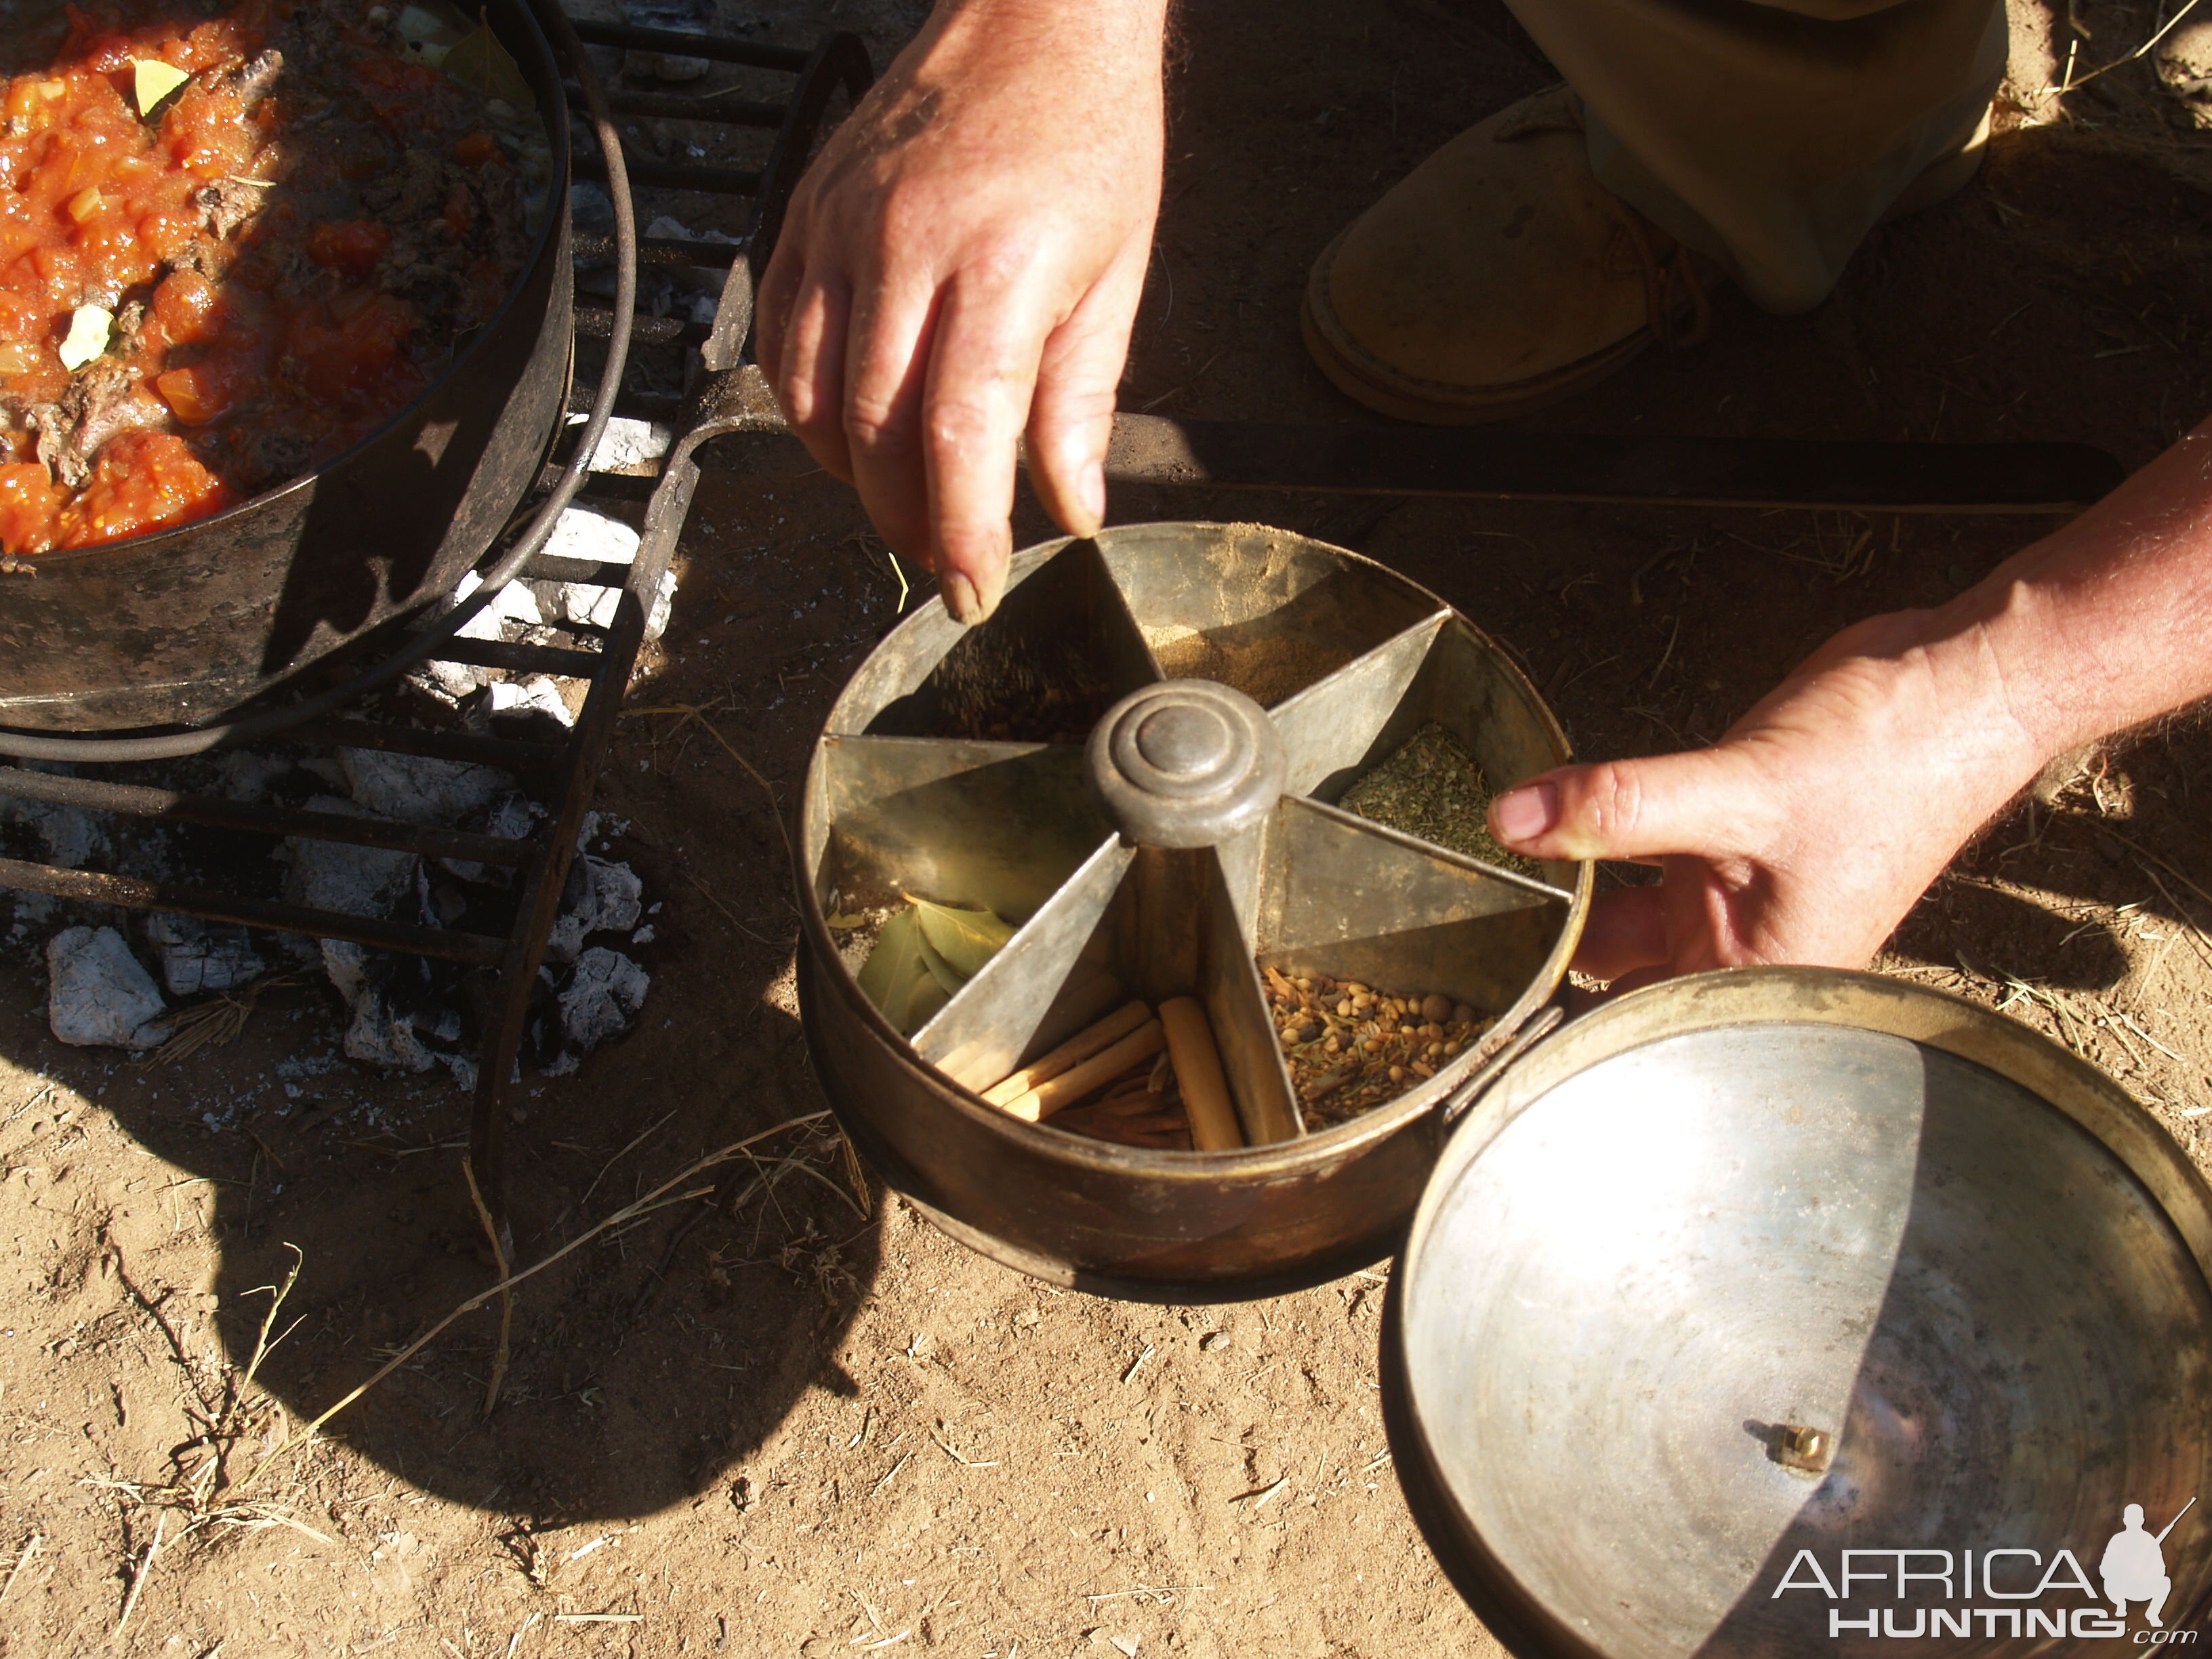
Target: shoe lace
{"type": "Point", "coordinates": [1671, 283]}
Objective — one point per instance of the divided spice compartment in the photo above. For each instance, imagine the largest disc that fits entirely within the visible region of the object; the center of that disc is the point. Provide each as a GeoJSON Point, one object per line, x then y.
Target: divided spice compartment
{"type": "Point", "coordinates": [1074, 768]}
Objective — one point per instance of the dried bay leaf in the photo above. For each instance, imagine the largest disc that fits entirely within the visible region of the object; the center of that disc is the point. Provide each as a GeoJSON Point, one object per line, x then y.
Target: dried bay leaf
{"type": "Point", "coordinates": [965, 938]}
{"type": "Point", "coordinates": [153, 80]}
{"type": "Point", "coordinates": [90, 329]}
{"type": "Point", "coordinates": [898, 978]}
{"type": "Point", "coordinates": [478, 61]}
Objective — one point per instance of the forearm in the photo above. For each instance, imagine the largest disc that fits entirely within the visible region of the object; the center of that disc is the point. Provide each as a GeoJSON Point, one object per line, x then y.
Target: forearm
{"type": "Point", "coordinates": [2107, 622]}
{"type": "Point", "coordinates": [1113, 36]}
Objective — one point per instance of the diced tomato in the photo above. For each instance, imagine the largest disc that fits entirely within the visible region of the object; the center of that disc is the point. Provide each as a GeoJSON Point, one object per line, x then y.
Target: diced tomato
{"type": "Point", "coordinates": [337, 356]}
{"type": "Point", "coordinates": [98, 203]}
{"type": "Point", "coordinates": [57, 265]}
{"type": "Point", "coordinates": [30, 505]}
{"type": "Point", "coordinates": [460, 211]}
{"type": "Point", "coordinates": [169, 233]}
{"type": "Point", "coordinates": [353, 245]}
{"type": "Point", "coordinates": [184, 305]}
{"type": "Point", "coordinates": [142, 481]}
{"type": "Point", "coordinates": [200, 393]}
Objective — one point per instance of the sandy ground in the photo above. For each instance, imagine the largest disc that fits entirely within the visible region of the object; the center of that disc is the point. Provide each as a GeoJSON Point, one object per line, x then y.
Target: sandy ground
{"type": "Point", "coordinates": [782, 1419]}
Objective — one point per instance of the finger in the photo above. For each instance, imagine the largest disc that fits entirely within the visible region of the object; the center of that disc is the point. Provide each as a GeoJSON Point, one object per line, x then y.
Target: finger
{"type": "Point", "coordinates": [983, 368]}
{"type": "Point", "coordinates": [810, 383]}
{"type": "Point", "coordinates": [1627, 930]}
{"type": "Point", "coordinates": [889, 341]}
{"type": "Point", "coordinates": [1071, 415]}
{"type": "Point", "coordinates": [772, 303]}
{"type": "Point", "coordinates": [1709, 802]}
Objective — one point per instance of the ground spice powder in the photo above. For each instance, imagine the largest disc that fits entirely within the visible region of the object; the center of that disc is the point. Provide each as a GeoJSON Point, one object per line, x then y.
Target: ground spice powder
{"type": "Point", "coordinates": [1431, 787]}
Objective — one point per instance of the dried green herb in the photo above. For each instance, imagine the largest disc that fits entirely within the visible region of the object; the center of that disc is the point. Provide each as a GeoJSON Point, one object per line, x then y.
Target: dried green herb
{"type": "Point", "coordinates": [1433, 788]}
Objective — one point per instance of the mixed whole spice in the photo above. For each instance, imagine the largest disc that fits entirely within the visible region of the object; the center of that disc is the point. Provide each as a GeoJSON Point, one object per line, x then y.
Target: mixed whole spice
{"type": "Point", "coordinates": [235, 242]}
{"type": "Point", "coordinates": [1432, 787]}
{"type": "Point", "coordinates": [1350, 1047]}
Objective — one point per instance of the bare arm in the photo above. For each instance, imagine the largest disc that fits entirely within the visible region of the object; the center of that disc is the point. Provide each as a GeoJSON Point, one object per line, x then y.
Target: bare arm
{"type": "Point", "coordinates": [1809, 829]}
{"type": "Point", "coordinates": [961, 266]}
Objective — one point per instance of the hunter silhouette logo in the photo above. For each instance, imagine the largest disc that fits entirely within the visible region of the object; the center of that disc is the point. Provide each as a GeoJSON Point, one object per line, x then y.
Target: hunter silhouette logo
{"type": "Point", "coordinates": [1997, 1591]}
{"type": "Point", "coordinates": [2134, 1564]}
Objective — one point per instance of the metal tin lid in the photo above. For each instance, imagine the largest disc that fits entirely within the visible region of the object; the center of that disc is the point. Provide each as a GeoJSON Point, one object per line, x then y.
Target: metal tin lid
{"type": "Point", "coordinates": [1750, 1270]}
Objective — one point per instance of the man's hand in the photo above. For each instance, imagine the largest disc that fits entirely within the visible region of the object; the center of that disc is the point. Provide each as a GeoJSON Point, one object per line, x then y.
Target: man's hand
{"type": "Point", "coordinates": [1809, 831]}
{"type": "Point", "coordinates": [961, 266]}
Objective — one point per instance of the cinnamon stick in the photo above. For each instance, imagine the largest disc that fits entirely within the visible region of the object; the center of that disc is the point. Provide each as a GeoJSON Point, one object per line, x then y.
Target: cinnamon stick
{"type": "Point", "coordinates": [1084, 1043]}
{"type": "Point", "coordinates": [1070, 1085]}
{"type": "Point", "coordinates": [1213, 1126]}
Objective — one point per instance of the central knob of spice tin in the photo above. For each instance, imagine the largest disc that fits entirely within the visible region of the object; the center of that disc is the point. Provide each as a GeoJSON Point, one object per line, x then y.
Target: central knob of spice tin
{"type": "Point", "coordinates": [1184, 738]}
{"type": "Point", "coordinates": [1186, 763]}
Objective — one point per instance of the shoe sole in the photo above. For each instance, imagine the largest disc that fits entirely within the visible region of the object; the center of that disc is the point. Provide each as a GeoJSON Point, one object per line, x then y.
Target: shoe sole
{"type": "Point", "coordinates": [1437, 403]}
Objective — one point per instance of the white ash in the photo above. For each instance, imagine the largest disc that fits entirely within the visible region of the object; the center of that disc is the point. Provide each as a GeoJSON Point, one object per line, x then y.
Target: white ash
{"type": "Point", "coordinates": [592, 208]}
{"type": "Point", "coordinates": [197, 958]}
{"type": "Point", "coordinates": [687, 16]}
{"type": "Point", "coordinates": [539, 694]}
{"type": "Point", "coordinates": [418, 789]}
{"type": "Point", "coordinates": [243, 776]}
{"type": "Point", "coordinates": [600, 897]}
{"type": "Point", "coordinates": [512, 817]}
{"type": "Point", "coordinates": [406, 1040]}
{"type": "Point", "coordinates": [628, 444]}
{"type": "Point", "coordinates": [69, 837]}
{"type": "Point", "coordinates": [355, 881]}
{"type": "Point", "coordinates": [32, 911]}
{"type": "Point", "coordinates": [98, 994]}
{"type": "Point", "coordinates": [601, 998]}
{"type": "Point", "coordinates": [523, 609]}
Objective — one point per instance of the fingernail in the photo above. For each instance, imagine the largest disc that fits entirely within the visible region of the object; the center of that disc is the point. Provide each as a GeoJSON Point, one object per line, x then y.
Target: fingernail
{"type": "Point", "coordinates": [1092, 491]}
{"type": "Point", "coordinates": [1524, 813]}
{"type": "Point", "coordinates": [960, 598]}
{"type": "Point", "coordinates": [993, 585]}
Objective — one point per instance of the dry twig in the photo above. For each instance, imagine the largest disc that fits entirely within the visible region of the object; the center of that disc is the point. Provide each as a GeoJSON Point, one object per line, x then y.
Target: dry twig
{"type": "Point", "coordinates": [500, 1354]}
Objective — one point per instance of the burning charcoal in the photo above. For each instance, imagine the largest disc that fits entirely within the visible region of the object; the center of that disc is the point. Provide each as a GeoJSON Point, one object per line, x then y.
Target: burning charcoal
{"type": "Point", "coordinates": [512, 819]}
{"type": "Point", "coordinates": [250, 777]}
{"type": "Point", "coordinates": [196, 958]}
{"type": "Point", "coordinates": [98, 994]}
{"type": "Point", "coordinates": [417, 789]}
{"type": "Point", "coordinates": [693, 15]}
{"type": "Point", "coordinates": [600, 897]}
{"type": "Point", "coordinates": [69, 836]}
{"type": "Point", "coordinates": [600, 1000]}
{"type": "Point", "coordinates": [592, 210]}
{"type": "Point", "coordinates": [583, 533]}
{"type": "Point", "coordinates": [514, 607]}
{"type": "Point", "coordinates": [537, 695]}
{"type": "Point", "coordinates": [357, 881]}
{"type": "Point", "coordinates": [376, 1036]}
{"type": "Point", "coordinates": [628, 444]}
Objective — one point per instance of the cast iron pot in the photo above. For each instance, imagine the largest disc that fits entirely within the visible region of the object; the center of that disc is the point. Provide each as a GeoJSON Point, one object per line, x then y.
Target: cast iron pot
{"type": "Point", "coordinates": [186, 625]}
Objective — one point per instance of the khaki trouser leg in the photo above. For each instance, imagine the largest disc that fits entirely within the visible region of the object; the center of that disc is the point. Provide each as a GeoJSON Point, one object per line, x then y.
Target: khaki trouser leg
{"type": "Point", "coordinates": [1772, 135]}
